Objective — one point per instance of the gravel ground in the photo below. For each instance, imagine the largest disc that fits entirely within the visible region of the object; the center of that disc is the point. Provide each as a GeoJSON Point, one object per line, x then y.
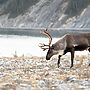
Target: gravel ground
{"type": "Point", "coordinates": [36, 73]}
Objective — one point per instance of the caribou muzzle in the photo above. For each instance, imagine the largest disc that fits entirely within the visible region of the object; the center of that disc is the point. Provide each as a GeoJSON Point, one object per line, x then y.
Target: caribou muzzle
{"type": "Point", "coordinates": [47, 58]}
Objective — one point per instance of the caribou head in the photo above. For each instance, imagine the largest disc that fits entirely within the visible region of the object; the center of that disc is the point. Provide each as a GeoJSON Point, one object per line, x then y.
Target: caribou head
{"type": "Point", "coordinates": [53, 49]}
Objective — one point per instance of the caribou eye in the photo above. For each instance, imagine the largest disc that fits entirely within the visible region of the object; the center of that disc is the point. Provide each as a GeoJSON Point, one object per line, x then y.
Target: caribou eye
{"type": "Point", "coordinates": [52, 46]}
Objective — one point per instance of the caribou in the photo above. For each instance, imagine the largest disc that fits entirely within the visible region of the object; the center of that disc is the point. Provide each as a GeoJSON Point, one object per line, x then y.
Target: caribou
{"type": "Point", "coordinates": [67, 43]}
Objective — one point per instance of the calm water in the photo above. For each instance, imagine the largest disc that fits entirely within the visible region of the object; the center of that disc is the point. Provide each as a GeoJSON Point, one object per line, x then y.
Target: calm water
{"type": "Point", "coordinates": [36, 32]}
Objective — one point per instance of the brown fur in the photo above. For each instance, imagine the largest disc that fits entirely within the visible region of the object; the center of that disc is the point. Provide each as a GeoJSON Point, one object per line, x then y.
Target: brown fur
{"type": "Point", "coordinates": [70, 43]}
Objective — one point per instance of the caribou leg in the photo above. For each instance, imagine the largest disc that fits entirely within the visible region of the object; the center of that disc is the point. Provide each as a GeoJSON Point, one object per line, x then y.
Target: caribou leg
{"type": "Point", "coordinates": [59, 57]}
{"type": "Point", "coordinates": [72, 57]}
{"type": "Point", "coordinates": [58, 60]}
{"type": "Point", "coordinates": [89, 49]}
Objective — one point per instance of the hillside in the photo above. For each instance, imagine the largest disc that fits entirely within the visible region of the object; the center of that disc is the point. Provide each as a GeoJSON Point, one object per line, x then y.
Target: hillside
{"type": "Point", "coordinates": [45, 13]}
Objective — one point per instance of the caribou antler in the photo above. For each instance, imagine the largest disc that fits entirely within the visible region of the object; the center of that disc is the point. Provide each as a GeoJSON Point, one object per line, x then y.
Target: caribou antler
{"type": "Point", "coordinates": [50, 40]}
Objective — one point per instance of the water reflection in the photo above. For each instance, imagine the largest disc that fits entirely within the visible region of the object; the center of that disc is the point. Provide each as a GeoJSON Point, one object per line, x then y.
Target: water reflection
{"type": "Point", "coordinates": [36, 32]}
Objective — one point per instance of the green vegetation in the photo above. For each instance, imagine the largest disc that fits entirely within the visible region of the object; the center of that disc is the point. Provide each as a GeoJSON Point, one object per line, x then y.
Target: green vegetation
{"type": "Point", "coordinates": [75, 7]}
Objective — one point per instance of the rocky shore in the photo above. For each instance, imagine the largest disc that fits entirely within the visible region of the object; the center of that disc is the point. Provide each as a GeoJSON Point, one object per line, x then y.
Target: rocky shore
{"type": "Point", "coordinates": [36, 73]}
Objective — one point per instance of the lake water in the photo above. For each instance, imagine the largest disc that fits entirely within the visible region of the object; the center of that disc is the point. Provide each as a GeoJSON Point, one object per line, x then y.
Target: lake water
{"type": "Point", "coordinates": [25, 41]}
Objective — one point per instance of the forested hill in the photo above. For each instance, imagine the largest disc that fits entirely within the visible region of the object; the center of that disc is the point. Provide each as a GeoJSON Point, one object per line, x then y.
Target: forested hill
{"type": "Point", "coordinates": [45, 13]}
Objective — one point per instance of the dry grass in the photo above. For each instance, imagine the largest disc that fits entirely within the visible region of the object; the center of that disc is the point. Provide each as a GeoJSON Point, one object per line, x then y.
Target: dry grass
{"type": "Point", "coordinates": [37, 73]}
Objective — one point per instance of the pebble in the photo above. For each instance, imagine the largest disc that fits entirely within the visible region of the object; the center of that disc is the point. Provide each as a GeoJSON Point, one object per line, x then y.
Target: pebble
{"type": "Point", "coordinates": [40, 74]}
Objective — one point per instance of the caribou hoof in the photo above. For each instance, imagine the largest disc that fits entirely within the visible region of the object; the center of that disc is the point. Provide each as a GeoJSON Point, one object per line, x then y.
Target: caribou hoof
{"type": "Point", "coordinates": [71, 67]}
